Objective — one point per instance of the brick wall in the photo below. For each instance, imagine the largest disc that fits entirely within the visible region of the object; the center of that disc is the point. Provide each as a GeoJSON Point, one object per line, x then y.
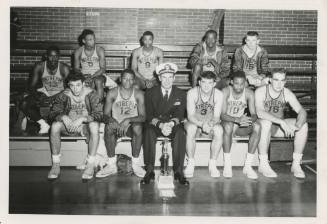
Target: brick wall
{"type": "Point", "coordinates": [170, 26]}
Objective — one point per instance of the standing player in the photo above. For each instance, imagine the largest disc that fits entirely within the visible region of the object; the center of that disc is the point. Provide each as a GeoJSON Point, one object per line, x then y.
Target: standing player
{"type": "Point", "coordinates": [204, 104]}
{"type": "Point", "coordinates": [90, 60]}
{"type": "Point", "coordinates": [145, 59]}
{"type": "Point", "coordinates": [165, 110]}
{"type": "Point", "coordinates": [124, 113]}
{"type": "Point", "coordinates": [76, 110]}
{"type": "Point", "coordinates": [51, 74]}
{"type": "Point", "coordinates": [236, 122]}
{"type": "Point", "coordinates": [208, 56]}
{"type": "Point", "coordinates": [253, 60]}
{"type": "Point", "coordinates": [270, 101]}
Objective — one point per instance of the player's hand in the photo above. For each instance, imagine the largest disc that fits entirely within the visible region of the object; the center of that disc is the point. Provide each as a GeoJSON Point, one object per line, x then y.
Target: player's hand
{"type": "Point", "coordinates": [148, 84]}
{"type": "Point", "coordinates": [125, 125]}
{"type": "Point", "coordinates": [288, 129]}
{"type": "Point", "coordinates": [206, 128]}
{"type": "Point", "coordinates": [245, 121]}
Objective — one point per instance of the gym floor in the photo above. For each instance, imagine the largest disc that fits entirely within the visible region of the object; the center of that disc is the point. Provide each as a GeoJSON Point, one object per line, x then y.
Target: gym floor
{"type": "Point", "coordinates": [285, 196]}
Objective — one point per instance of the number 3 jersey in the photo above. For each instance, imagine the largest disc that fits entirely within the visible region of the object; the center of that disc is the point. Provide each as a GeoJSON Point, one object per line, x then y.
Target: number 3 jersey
{"type": "Point", "coordinates": [204, 111]}
{"type": "Point", "coordinates": [236, 107]}
{"type": "Point", "coordinates": [124, 108]}
{"type": "Point", "coordinates": [275, 106]}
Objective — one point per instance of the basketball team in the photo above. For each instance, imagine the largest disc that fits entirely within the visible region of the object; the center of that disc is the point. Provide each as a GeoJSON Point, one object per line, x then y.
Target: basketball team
{"type": "Point", "coordinates": [222, 104]}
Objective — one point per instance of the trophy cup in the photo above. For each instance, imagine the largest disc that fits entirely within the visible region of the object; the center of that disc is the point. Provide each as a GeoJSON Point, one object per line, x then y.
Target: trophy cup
{"type": "Point", "coordinates": [165, 179]}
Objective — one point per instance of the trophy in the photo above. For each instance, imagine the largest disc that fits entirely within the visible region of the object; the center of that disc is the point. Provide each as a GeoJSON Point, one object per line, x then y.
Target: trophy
{"type": "Point", "coordinates": [165, 179]}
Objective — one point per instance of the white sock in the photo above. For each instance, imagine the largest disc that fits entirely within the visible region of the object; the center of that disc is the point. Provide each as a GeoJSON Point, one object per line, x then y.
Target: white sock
{"type": "Point", "coordinates": [191, 161]}
{"type": "Point", "coordinates": [263, 158]}
{"type": "Point", "coordinates": [135, 160]}
{"type": "Point", "coordinates": [248, 160]}
{"type": "Point", "coordinates": [90, 159]}
{"type": "Point", "coordinates": [56, 158]}
{"type": "Point", "coordinates": [112, 160]}
{"type": "Point", "coordinates": [42, 122]}
{"type": "Point", "coordinates": [212, 162]}
{"type": "Point", "coordinates": [297, 157]}
{"type": "Point", "coordinates": [227, 159]}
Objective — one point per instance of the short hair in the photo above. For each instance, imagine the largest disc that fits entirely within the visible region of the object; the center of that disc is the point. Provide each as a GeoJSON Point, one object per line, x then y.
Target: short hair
{"type": "Point", "coordinates": [277, 70]}
{"type": "Point", "coordinates": [238, 74]}
{"type": "Point", "coordinates": [53, 48]}
{"type": "Point", "coordinates": [252, 33]}
{"type": "Point", "coordinates": [129, 71]}
{"type": "Point", "coordinates": [75, 76]}
{"type": "Point", "coordinates": [148, 33]}
{"type": "Point", "coordinates": [86, 32]}
{"type": "Point", "coordinates": [208, 75]}
{"type": "Point", "coordinates": [209, 32]}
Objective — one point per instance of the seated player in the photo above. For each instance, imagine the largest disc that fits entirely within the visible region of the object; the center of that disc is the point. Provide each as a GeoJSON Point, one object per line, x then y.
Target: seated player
{"type": "Point", "coordinates": [76, 110]}
{"type": "Point", "coordinates": [236, 122]}
{"type": "Point", "coordinates": [124, 113]}
{"type": "Point", "coordinates": [253, 60]}
{"type": "Point", "coordinates": [208, 56]}
{"type": "Point", "coordinates": [165, 111]}
{"type": "Point", "coordinates": [51, 74]}
{"type": "Point", "coordinates": [204, 104]}
{"type": "Point", "coordinates": [145, 59]}
{"type": "Point", "coordinates": [90, 60]}
{"type": "Point", "coordinates": [270, 101]}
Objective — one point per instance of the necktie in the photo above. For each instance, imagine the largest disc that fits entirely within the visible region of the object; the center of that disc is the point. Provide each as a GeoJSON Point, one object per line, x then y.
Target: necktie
{"type": "Point", "coordinates": [166, 96]}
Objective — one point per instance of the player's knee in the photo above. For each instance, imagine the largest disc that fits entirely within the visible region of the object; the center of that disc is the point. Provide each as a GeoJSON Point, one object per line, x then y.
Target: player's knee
{"type": "Point", "coordinates": [218, 131]}
{"type": "Point", "coordinates": [137, 130]}
{"type": "Point", "coordinates": [108, 130]}
{"type": "Point", "coordinates": [256, 127]}
{"type": "Point", "coordinates": [191, 129]}
{"type": "Point", "coordinates": [94, 127]}
{"type": "Point", "coordinates": [56, 127]}
{"type": "Point", "coordinates": [228, 127]}
{"type": "Point", "coordinates": [304, 127]}
{"type": "Point", "coordinates": [265, 125]}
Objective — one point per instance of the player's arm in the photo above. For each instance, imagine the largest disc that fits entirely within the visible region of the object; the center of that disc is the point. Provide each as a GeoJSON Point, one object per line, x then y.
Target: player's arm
{"type": "Point", "coordinates": [77, 59]}
{"type": "Point", "coordinates": [238, 61]}
{"type": "Point", "coordinates": [35, 78]}
{"type": "Point", "coordinates": [224, 66]}
{"type": "Point", "coordinates": [251, 104]}
{"type": "Point", "coordinates": [224, 116]}
{"type": "Point", "coordinates": [139, 95]}
{"type": "Point", "coordinates": [64, 71]}
{"type": "Point", "coordinates": [102, 62]}
{"type": "Point", "coordinates": [190, 107]}
{"type": "Point", "coordinates": [259, 97]}
{"type": "Point", "coordinates": [297, 107]}
{"type": "Point", "coordinates": [135, 65]}
{"type": "Point", "coordinates": [110, 98]}
{"type": "Point", "coordinates": [218, 106]}
{"type": "Point", "coordinates": [195, 56]}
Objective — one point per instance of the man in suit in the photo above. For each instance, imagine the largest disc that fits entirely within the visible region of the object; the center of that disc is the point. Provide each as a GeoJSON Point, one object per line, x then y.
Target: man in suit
{"type": "Point", "coordinates": [165, 107]}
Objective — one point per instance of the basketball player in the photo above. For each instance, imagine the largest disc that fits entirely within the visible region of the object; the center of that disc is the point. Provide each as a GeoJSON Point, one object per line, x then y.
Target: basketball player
{"type": "Point", "coordinates": [145, 59]}
{"type": "Point", "coordinates": [124, 113]}
{"type": "Point", "coordinates": [90, 60]}
{"type": "Point", "coordinates": [208, 56]}
{"type": "Point", "coordinates": [204, 104]}
{"type": "Point", "coordinates": [76, 110]}
{"type": "Point", "coordinates": [270, 101]}
{"type": "Point", "coordinates": [51, 75]}
{"type": "Point", "coordinates": [236, 122]}
{"type": "Point", "coordinates": [253, 60]}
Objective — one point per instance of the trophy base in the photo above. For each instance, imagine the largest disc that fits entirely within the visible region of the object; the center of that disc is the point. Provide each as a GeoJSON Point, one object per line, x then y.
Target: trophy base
{"type": "Point", "coordinates": [166, 182]}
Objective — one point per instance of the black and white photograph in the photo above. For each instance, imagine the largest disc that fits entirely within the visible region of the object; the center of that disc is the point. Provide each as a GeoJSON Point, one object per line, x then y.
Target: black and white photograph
{"type": "Point", "coordinates": [164, 111]}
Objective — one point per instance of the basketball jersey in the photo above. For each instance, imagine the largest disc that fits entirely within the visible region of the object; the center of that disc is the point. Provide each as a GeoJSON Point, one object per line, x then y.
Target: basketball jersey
{"type": "Point", "coordinates": [78, 106]}
{"type": "Point", "coordinates": [236, 107]}
{"type": "Point", "coordinates": [52, 83]}
{"type": "Point", "coordinates": [275, 106]}
{"type": "Point", "coordinates": [204, 111]}
{"type": "Point", "coordinates": [250, 63]}
{"type": "Point", "coordinates": [206, 56]}
{"type": "Point", "coordinates": [90, 64]}
{"type": "Point", "coordinates": [124, 108]}
{"type": "Point", "coordinates": [147, 63]}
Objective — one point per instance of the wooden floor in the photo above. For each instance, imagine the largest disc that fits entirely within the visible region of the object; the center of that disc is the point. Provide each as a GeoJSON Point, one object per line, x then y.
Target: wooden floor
{"type": "Point", "coordinates": [31, 193]}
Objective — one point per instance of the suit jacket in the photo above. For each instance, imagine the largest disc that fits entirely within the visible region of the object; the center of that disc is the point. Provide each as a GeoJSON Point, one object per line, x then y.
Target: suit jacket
{"type": "Point", "coordinates": [158, 110]}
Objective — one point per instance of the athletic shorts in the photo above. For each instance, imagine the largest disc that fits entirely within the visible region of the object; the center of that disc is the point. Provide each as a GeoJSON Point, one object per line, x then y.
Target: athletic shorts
{"type": "Point", "coordinates": [129, 133]}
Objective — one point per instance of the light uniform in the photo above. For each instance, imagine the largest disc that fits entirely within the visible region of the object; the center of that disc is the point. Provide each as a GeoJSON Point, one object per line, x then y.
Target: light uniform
{"type": "Point", "coordinates": [147, 63]}
{"type": "Point", "coordinates": [204, 111]}
{"type": "Point", "coordinates": [90, 65]}
{"type": "Point", "coordinates": [275, 106]}
{"type": "Point", "coordinates": [236, 107]}
{"type": "Point", "coordinates": [250, 67]}
{"type": "Point", "coordinates": [52, 84]}
{"type": "Point", "coordinates": [206, 56]}
{"type": "Point", "coordinates": [124, 108]}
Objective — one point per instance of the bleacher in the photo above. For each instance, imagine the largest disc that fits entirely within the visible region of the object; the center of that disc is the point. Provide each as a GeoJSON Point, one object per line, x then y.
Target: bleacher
{"type": "Point", "coordinates": [306, 91]}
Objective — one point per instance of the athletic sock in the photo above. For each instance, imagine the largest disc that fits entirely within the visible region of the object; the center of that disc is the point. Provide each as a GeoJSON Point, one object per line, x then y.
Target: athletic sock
{"type": "Point", "coordinates": [112, 160]}
{"type": "Point", "coordinates": [56, 158]}
{"type": "Point", "coordinates": [263, 158]}
{"type": "Point", "coordinates": [90, 159]}
{"type": "Point", "coordinates": [248, 160]}
{"type": "Point", "coordinates": [227, 159]}
{"type": "Point", "coordinates": [297, 157]}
